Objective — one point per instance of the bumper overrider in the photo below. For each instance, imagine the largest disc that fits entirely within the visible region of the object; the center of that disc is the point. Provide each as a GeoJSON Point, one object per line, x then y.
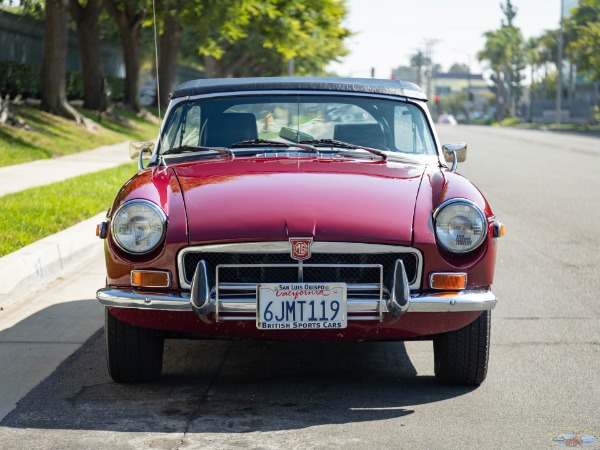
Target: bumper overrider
{"type": "Point", "coordinates": [229, 301]}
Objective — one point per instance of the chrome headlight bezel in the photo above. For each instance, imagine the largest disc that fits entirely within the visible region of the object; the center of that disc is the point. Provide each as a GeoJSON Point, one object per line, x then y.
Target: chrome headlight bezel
{"type": "Point", "coordinates": [152, 209]}
{"type": "Point", "coordinates": [440, 224]}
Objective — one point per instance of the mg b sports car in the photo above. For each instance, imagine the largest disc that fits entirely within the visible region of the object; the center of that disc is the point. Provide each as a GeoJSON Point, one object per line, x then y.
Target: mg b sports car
{"type": "Point", "coordinates": [299, 209]}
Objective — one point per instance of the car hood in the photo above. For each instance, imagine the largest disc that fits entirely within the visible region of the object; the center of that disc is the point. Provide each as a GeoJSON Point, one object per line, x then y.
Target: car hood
{"type": "Point", "coordinates": [275, 198]}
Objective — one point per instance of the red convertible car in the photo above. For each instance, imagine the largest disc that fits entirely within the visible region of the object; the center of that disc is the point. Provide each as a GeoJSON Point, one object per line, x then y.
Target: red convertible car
{"type": "Point", "coordinates": [299, 209]}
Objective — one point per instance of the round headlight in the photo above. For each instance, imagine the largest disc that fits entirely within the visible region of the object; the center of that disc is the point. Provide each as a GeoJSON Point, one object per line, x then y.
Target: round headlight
{"type": "Point", "coordinates": [138, 226]}
{"type": "Point", "coordinates": [460, 226]}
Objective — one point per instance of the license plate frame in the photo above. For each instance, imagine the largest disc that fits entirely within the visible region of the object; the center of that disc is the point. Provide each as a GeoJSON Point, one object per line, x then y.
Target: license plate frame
{"type": "Point", "coordinates": [301, 306]}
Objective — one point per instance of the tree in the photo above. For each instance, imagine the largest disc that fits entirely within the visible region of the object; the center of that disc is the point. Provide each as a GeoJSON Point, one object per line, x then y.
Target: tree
{"type": "Point", "coordinates": [509, 13]}
{"type": "Point", "coordinates": [54, 66]}
{"type": "Point", "coordinates": [504, 50]}
{"type": "Point", "coordinates": [212, 23]}
{"type": "Point", "coordinates": [170, 43]}
{"type": "Point", "coordinates": [459, 68]}
{"type": "Point", "coordinates": [420, 62]}
{"type": "Point", "coordinates": [494, 53]}
{"type": "Point", "coordinates": [584, 30]}
{"type": "Point", "coordinates": [307, 31]}
{"type": "Point", "coordinates": [86, 16]}
{"type": "Point", "coordinates": [129, 16]}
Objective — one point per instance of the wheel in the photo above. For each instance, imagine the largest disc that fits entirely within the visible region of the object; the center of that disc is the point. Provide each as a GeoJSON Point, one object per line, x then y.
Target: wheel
{"type": "Point", "coordinates": [133, 354]}
{"type": "Point", "coordinates": [461, 356]}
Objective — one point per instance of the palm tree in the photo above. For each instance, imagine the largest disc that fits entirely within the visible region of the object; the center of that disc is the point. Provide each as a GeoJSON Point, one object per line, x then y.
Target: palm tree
{"type": "Point", "coordinates": [534, 60]}
{"type": "Point", "coordinates": [494, 52]}
{"type": "Point", "coordinates": [548, 49]}
{"type": "Point", "coordinates": [504, 50]}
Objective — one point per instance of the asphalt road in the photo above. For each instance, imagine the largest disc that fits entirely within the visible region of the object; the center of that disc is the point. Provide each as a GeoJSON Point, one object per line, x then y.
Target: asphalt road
{"type": "Point", "coordinates": [543, 378]}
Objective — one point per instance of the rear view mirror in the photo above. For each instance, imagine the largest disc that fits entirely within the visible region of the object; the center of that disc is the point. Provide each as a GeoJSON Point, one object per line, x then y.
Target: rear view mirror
{"type": "Point", "coordinates": [294, 135]}
{"type": "Point", "coordinates": [140, 147]}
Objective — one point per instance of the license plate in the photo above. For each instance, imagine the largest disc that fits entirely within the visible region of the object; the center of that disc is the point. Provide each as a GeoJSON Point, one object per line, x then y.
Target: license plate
{"type": "Point", "coordinates": [305, 306]}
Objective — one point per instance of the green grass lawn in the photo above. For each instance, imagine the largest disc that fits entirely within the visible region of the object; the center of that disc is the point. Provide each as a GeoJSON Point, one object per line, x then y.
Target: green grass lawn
{"type": "Point", "coordinates": [33, 214]}
{"type": "Point", "coordinates": [51, 136]}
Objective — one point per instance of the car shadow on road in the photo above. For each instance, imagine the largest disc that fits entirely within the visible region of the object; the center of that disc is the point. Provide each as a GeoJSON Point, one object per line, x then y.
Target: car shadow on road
{"type": "Point", "coordinates": [225, 386]}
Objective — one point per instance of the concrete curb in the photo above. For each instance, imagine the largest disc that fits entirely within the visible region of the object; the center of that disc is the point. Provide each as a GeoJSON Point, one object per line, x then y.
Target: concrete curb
{"type": "Point", "coordinates": [43, 261]}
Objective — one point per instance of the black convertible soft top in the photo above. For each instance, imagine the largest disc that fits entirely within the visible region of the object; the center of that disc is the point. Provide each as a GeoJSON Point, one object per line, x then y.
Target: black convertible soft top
{"type": "Point", "coordinates": [359, 85]}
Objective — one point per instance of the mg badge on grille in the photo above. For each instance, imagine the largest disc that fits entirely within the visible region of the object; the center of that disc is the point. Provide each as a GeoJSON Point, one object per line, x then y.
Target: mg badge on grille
{"type": "Point", "coordinates": [300, 248]}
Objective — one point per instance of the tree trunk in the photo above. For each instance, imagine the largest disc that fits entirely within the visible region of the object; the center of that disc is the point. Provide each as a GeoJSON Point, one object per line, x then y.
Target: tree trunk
{"type": "Point", "coordinates": [90, 50]}
{"type": "Point", "coordinates": [232, 69]}
{"type": "Point", "coordinates": [571, 83]}
{"type": "Point", "coordinates": [131, 52]}
{"type": "Point", "coordinates": [170, 42]}
{"type": "Point", "coordinates": [212, 67]}
{"type": "Point", "coordinates": [129, 23]}
{"type": "Point", "coordinates": [54, 66]}
{"type": "Point", "coordinates": [499, 95]}
{"type": "Point", "coordinates": [509, 92]}
{"type": "Point", "coordinates": [531, 96]}
{"type": "Point", "coordinates": [4, 110]}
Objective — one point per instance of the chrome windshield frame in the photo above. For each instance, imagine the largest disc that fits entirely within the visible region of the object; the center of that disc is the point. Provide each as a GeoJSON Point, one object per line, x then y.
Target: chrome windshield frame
{"type": "Point", "coordinates": [438, 158]}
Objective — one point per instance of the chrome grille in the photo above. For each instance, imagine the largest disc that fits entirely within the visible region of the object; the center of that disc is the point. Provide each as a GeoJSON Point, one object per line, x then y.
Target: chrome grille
{"type": "Point", "coordinates": [278, 253]}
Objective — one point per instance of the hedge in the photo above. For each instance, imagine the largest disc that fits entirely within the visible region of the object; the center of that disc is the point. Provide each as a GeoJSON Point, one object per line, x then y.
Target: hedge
{"type": "Point", "coordinates": [25, 80]}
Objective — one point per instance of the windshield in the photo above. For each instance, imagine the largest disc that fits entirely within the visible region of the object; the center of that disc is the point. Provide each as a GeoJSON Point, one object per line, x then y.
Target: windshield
{"type": "Point", "coordinates": [232, 122]}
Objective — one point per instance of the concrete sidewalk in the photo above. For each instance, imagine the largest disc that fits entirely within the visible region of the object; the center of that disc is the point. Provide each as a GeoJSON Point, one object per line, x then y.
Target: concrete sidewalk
{"type": "Point", "coordinates": [45, 171]}
{"type": "Point", "coordinates": [45, 326]}
{"type": "Point", "coordinates": [48, 305]}
{"type": "Point", "coordinates": [44, 260]}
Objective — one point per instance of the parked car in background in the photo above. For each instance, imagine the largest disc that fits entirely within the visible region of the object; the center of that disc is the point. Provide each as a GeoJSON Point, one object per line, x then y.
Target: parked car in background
{"type": "Point", "coordinates": [299, 209]}
{"type": "Point", "coordinates": [447, 119]}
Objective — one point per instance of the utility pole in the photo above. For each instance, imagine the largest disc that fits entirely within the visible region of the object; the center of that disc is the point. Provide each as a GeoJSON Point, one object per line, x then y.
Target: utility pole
{"type": "Point", "coordinates": [559, 82]}
{"type": "Point", "coordinates": [429, 46]}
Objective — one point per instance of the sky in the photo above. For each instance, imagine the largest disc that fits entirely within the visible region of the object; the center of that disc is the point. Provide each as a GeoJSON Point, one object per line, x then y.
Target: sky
{"type": "Point", "coordinates": [388, 32]}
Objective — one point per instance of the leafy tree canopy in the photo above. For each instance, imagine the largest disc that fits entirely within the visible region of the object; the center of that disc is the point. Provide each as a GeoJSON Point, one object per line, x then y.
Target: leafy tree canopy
{"type": "Point", "coordinates": [584, 44]}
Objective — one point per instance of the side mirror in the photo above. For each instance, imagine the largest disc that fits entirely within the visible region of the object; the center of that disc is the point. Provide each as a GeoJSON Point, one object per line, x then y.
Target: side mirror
{"type": "Point", "coordinates": [140, 147]}
{"type": "Point", "coordinates": [141, 150]}
{"type": "Point", "coordinates": [455, 153]}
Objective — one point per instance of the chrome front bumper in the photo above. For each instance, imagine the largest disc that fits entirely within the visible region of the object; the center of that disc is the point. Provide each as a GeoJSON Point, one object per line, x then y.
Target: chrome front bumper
{"type": "Point", "coordinates": [460, 301]}
{"type": "Point", "coordinates": [237, 301]}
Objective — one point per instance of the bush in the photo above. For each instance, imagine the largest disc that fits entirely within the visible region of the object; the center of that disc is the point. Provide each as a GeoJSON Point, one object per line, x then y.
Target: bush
{"type": "Point", "coordinates": [116, 88]}
{"type": "Point", "coordinates": [509, 121]}
{"type": "Point", "coordinates": [20, 79]}
{"type": "Point", "coordinates": [74, 86]}
{"type": "Point", "coordinates": [26, 79]}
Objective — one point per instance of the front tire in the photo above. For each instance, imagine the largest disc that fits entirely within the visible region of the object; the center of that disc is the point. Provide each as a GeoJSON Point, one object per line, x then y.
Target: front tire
{"type": "Point", "coordinates": [133, 354]}
{"type": "Point", "coordinates": [461, 356]}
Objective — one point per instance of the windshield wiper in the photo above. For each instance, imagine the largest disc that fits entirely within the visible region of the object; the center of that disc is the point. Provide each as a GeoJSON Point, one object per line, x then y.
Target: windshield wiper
{"type": "Point", "coordinates": [260, 143]}
{"type": "Point", "coordinates": [198, 148]}
{"type": "Point", "coordinates": [341, 144]}
{"type": "Point", "coordinates": [270, 143]}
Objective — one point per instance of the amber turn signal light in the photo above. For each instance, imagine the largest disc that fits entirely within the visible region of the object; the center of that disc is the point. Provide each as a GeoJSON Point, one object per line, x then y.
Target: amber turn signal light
{"type": "Point", "coordinates": [102, 230]}
{"type": "Point", "coordinates": [450, 281]}
{"type": "Point", "coordinates": [150, 278]}
{"type": "Point", "coordinates": [498, 229]}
